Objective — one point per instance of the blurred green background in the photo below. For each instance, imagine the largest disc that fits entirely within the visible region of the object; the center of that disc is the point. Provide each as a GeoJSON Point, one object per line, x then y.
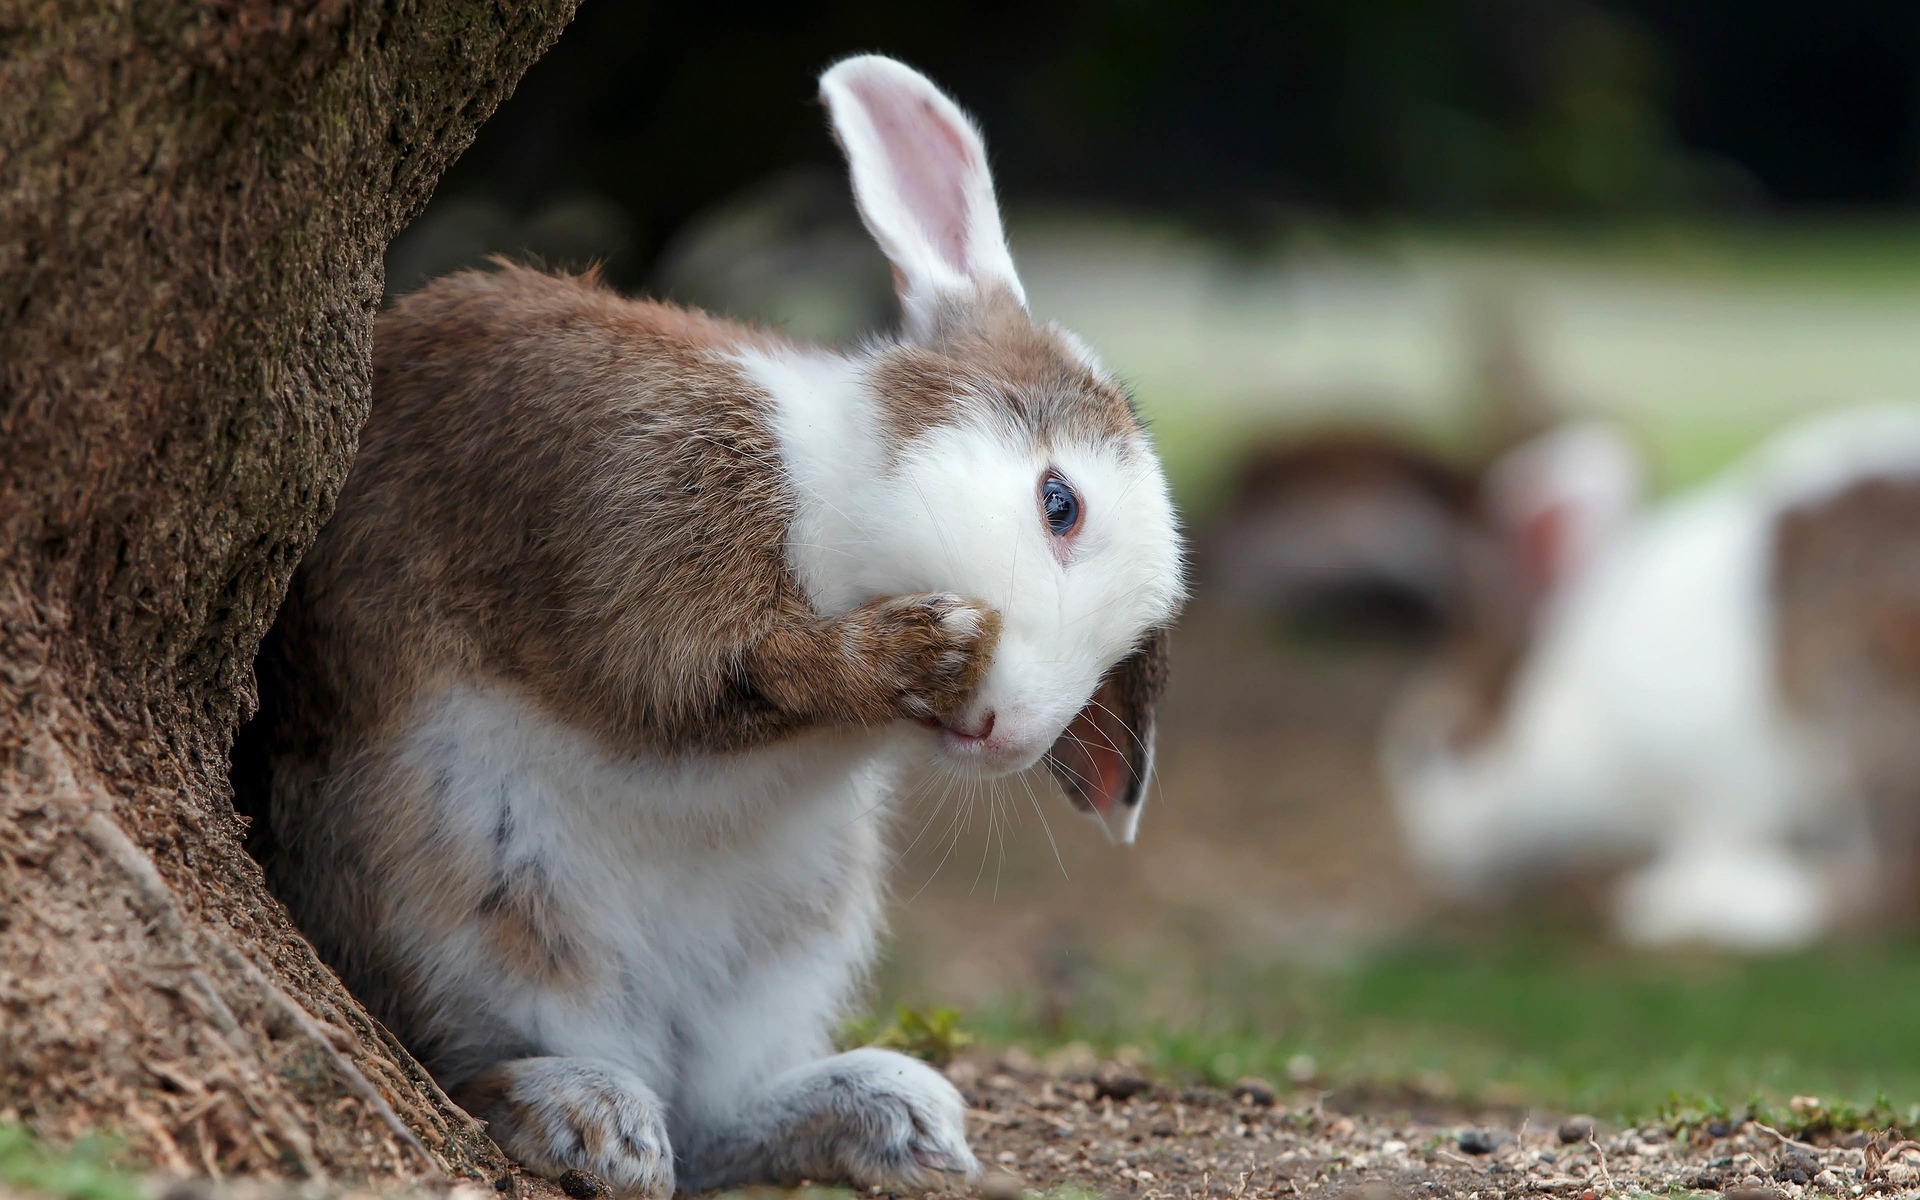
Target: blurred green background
{"type": "Point", "coordinates": [1699, 216]}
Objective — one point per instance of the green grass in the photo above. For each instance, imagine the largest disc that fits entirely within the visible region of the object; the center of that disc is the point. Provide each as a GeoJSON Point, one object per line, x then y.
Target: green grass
{"type": "Point", "coordinates": [83, 1171]}
{"type": "Point", "coordinates": [933, 1036]}
{"type": "Point", "coordinates": [1541, 1020]}
{"type": "Point", "coordinates": [1864, 252]}
{"type": "Point", "coordinates": [1852, 250]}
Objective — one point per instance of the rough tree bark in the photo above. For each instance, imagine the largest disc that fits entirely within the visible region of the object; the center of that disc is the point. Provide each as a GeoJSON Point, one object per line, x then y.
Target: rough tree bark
{"type": "Point", "coordinates": [194, 199]}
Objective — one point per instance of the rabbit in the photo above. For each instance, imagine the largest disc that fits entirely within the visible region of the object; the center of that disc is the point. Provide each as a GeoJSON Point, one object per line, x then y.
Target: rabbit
{"type": "Point", "coordinates": [1712, 686]}
{"type": "Point", "coordinates": [581, 722]}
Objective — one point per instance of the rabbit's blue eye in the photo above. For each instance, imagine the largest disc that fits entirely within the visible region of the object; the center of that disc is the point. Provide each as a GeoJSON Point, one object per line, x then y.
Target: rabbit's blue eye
{"type": "Point", "coordinates": [1060, 506]}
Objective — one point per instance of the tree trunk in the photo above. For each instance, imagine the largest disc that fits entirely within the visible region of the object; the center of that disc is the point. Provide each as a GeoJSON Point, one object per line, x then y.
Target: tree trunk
{"type": "Point", "coordinates": [194, 200]}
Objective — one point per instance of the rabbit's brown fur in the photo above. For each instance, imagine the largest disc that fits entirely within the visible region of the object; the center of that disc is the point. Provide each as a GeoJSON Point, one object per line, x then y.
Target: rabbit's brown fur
{"type": "Point", "coordinates": [451, 557]}
{"type": "Point", "coordinates": [1041, 386]}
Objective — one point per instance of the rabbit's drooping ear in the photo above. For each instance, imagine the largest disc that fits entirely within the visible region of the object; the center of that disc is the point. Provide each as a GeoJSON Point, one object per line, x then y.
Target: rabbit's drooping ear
{"type": "Point", "coordinates": [1104, 758]}
{"type": "Point", "coordinates": [1561, 497]}
{"type": "Point", "coordinates": [920, 178]}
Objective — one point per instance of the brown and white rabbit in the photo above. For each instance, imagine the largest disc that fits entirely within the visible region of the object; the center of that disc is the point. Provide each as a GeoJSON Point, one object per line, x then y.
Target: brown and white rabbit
{"type": "Point", "coordinates": [583, 717]}
{"type": "Point", "coordinates": [1723, 688]}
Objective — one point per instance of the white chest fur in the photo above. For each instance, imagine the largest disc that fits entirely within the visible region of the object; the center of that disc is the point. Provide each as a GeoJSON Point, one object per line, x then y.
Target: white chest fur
{"type": "Point", "coordinates": [680, 889]}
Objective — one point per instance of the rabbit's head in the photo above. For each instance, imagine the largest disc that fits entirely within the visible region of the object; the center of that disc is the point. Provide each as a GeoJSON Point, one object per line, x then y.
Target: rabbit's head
{"type": "Point", "coordinates": [992, 456]}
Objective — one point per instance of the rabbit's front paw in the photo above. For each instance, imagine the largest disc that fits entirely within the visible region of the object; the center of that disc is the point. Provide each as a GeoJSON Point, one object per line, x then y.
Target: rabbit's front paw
{"type": "Point", "coordinates": [884, 1120]}
{"type": "Point", "coordinates": [937, 647]}
{"type": "Point", "coordinates": [563, 1114]}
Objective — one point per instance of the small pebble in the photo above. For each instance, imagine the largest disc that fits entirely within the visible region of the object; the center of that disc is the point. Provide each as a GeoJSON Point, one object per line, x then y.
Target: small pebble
{"type": "Point", "coordinates": [1576, 1129]}
{"type": "Point", "coordinates": [1075, 1060]}
{"type": "Point", "coordinates": [506, 1186]}
{"type": "Point", "coordinates": [1253, 1090]}
{"type": "Point", "coordinates": [1481, 1141]}
{"type": "Point", "coordinates": [1746, 1192]}
{"type": "Point", "coordinates": [1393, 1146]}
{"type": "Point", "coordinates": [1001, 1185]}
{"type": "Point", "coordinates": [1718, 1129]}
{"type": "Point", "coordinates": [1827, 1180]}
{"type": "Point", "coordinates": [582, 1185]}
{"type": "Point", "coordinates": [1302, 1069]}
{"type": "Point", "coordinates": [1796, 1166]}
{"type": "Point", "coordinates": [1120, 1085]}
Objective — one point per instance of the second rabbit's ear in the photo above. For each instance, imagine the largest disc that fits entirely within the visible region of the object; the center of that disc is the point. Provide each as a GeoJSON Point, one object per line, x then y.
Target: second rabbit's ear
{"type": "Point", "coordinates": [920, 178]}
{"type": "Point", "coordinates": [1560, 498]}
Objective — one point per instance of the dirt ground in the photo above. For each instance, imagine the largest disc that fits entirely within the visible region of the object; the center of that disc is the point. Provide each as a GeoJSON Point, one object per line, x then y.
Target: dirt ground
{"type": "Point", "coordinates": [1104, 1129]}
{"type": "Point", "coordinates": [1077, 1127]}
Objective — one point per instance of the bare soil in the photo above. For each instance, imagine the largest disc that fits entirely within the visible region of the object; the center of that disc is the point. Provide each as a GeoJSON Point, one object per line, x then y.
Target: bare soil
{"type": "Point", "coordinates": [1105, 1129]}
{"type": "Point", "coordinates": [1076, 1126]}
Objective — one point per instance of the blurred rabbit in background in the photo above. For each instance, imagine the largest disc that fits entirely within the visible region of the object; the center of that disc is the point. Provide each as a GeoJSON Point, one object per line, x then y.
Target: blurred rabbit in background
{"type": "Point", "coordinates": [1722, 688]}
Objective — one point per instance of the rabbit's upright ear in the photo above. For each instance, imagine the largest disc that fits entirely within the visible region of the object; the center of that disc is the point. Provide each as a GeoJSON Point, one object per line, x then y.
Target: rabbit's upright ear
{"type": "Point", "coordinates": [1562, 497]}
{"type": "Point", "coordinates": [1105, 757]}
{"type": "Point", "coordinates": [920, 178]}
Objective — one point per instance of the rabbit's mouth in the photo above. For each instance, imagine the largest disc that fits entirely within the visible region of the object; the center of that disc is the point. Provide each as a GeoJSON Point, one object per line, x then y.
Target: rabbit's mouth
{"type": "Point", "coordinates": [980, 743]}
{"type": "Point", "coordinates": [965, 730]}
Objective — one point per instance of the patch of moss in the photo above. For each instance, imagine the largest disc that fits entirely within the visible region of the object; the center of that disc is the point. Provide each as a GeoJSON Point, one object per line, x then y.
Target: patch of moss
{"type": "Point", "coordinates": [931, 1035]}
{"type": "Point", "coordinates": [82, 1171]}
